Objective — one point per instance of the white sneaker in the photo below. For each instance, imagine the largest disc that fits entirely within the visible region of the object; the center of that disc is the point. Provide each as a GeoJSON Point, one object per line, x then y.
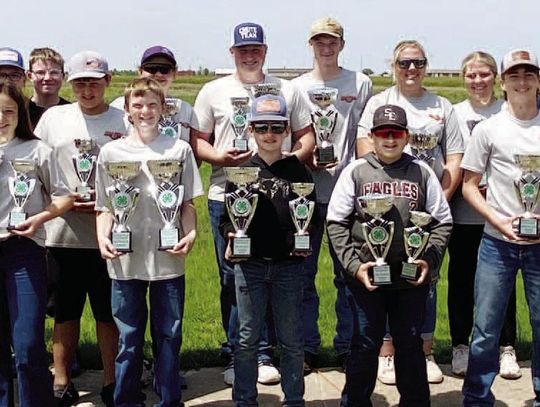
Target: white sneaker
{"type": "Point", "coordinates": [386, 372]}
{"type": "Point", "coordinates": [268, 374]}
{"type": "Point", "coordinates": [460, 360]}
{"type": "Point", "coordinates": [434, 373]}
{"type": "Point", "coordinates": [508, 366]}
{"type": "Point", "coordinates": [228, 374]}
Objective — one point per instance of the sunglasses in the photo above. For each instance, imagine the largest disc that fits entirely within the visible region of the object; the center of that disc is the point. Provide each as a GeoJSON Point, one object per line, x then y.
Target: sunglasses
{"type": "Point", "coordinates": [387, 133]}
{"type": "Point", "coordinates": [154, 69]}
{"type": "Point", "coordinates": [275, 128]}
{"type": "Point", "coordinates": [419, 63]}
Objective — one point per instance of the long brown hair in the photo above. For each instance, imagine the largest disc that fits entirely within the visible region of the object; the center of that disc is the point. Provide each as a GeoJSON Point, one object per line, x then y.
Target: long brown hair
{"type": "Point", "coordinates": [24, 128]}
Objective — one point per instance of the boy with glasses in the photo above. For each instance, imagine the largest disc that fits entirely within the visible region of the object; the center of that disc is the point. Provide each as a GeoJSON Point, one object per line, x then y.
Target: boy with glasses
{"type": "Point", "coordinates": [46, 72]}
{"type": "Point", "coordinates": [12, 67]}
{"type": "Point", "coordinates": [409, 183]}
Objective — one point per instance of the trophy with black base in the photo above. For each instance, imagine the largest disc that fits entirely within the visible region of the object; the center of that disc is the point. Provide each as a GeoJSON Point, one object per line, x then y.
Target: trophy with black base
{"type": "Point", "coordinates": [21, 187]}
{"type": "Point", "coordinates": [239, 122]}
{"type": "Point", "coordinates": [301, 211]}
{"type": "Point", "coordinates": [324, 120]}
{"type": "Point", "coordinates": [378, 234]}
{"type": "Point", "coordinates": [415, 239]}
{"type": "Point", "coordinates": [528, 191]}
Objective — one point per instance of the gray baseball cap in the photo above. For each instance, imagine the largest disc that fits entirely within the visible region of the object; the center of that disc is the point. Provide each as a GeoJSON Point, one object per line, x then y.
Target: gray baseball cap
{"type": "Point", "coordinates": [87, 64]}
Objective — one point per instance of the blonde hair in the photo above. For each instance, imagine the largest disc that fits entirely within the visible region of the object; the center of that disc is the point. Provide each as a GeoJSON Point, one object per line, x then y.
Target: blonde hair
{"type": "Point", "coordinates": [479, 56]}
{"type": "Point", "coordinates": [45, 54]}
{"type": "Point", "coordinates": [142, 86]}
{"type": "Point", "coordinates": [400, 47]}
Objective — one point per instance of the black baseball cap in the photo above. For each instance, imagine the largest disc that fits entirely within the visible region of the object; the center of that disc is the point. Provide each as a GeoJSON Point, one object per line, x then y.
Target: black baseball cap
{"type": "Point", "coordinates": [389, 116]}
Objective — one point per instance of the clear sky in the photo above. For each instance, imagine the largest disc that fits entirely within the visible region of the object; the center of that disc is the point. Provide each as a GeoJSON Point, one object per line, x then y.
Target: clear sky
{"type": "Point", "coordinates": [199, 31]}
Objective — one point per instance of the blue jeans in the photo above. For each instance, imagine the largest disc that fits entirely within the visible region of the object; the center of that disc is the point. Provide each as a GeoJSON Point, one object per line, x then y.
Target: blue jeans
{"type": "Point", "coordinates": [498, 263]}
{"type": "Point", "coordinates": [405, 312]}
{"type": "Point", "coordinates": [23, 300]}
{"type": "Point", "coordinates": [227, 298]}
{"type": "Point", "coordinates": [130, 313]}
{"type": "Point", "coordinates": [310, 306]}
{"type": "Point", "coordinates": [259, 283]}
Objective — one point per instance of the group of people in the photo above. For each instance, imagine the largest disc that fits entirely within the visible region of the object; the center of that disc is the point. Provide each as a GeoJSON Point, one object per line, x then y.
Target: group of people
{"type": "Point", "coordinates": [59, 226]}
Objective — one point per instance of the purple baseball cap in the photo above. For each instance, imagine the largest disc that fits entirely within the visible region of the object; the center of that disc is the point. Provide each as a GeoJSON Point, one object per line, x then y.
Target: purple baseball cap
{"type": "Point", "coordinates": [11, 57]}
{"type": "Point", "coordinates": [158, 51]}
{"type": "Point", "coordinates": [269, 108]}
{"type": "Point", "coordinates": [248, 34]}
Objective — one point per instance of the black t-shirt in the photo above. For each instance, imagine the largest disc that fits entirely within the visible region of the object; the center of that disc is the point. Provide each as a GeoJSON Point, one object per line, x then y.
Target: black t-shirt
{"type": "Point", "coordinates": [272, 228]}
{"type": "Point", "coordinates": [35, 111]}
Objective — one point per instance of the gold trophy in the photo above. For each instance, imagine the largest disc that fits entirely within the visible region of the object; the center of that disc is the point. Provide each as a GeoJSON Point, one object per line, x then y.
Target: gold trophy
{"type": "Point", "coordinates": [122, 199]}
{"type": "Point", "coordinates": [378, 233]}
{"type": "Point", "coordinates": [422, 146]}
{"type": "Point", "coordinates": [21, 187]}
{"type": "Point", "coordinates": [168, 195]}
{"type": "Point", "coordinates": [415, 239]}
{"type": "Point", "coordinates": [84, 163]}
{"type": "Point", "coordinates": [261, 89]}
{"type": "Point", "coordinates": [324, 120]}
{"type": "Point", "coordinates": [241, 205]}
{"type": "Point", "coordinates": [527, 188]}
{"type": "Point", "coordinates": [301, 211]}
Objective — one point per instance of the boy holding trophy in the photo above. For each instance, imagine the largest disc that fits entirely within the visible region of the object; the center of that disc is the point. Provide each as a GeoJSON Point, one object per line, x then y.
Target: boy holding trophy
{"type": "Point", "coordinates": [377, 224]}
{"type": "Point", "coordinates": [144, 183]}
{"type": "Point", "coordinates": [270, 203]}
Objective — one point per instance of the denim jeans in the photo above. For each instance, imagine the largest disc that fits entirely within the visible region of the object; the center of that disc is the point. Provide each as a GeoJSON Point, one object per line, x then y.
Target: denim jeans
{"type": "Point", "coordinates": [310, 306]}
{"type": "Point", "coordinates": [259, 283]}
{"type": "Point", "coordinates": [405, 312]}
{"type": "Point", "coordinates": [23, 300]}
{"type": "Point", "coordinates": [498, 263]}
{"type": "Point", "coordinates": [229, 313]}
{"type": "Point", "coordinates": [130, 313]}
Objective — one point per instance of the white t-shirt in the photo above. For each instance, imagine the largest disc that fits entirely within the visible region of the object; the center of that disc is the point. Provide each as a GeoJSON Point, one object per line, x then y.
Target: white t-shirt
{"type": "Point", "coordinates": [427, 114]}
{"type": "Point", "coordinates": [491, 150]}
{"type": "Point", "coordinates": [146, 262]}
{"type": "Point", "coordinates": [354, 90]}
{"type": "Point", "coordinates": [468, 117]}
{"type": "Point", "coordinates": [213, 110]}
{"type": "Point", "coordinates": [176, 121]}
{"type": "Point", "coordinates": [49, 182]}
{"type": "Point", "coordinates": [59, 127]}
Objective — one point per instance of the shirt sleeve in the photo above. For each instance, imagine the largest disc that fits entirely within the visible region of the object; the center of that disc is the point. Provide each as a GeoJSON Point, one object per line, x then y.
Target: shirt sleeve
{"type": "Point", "coordinates": [202, 118]}
{"type": "Point", "coordinates": [454, 138]}
{"type": "Point", "coordinates": [53, 178]}
{"type": "Point", "coordinates": [366, 121]}
{"type": "Point", "coordinates": [300, 114]}
{"type": "Point", "coordinates": [191, 179]}
{"type": "Point", "coordinates": [102, 181]}
{"type": "Point", "coordinates": [478, 149]}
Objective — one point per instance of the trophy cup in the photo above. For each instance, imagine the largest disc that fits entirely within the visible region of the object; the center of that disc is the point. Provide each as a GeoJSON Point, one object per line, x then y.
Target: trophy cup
{"type": "Point", "coordinates": [239, 122]}
{"type": "Point", "coordinates": [301, 211]}
{"type": "Point", "coordinates": [378, 233]}
{"type": "Point", "coordinates": [122, 199]}
{"type": "Point", "coordinates": [168, 196]}
{"type": "Point", "coordinates": [422, 146]}
{"type": "Point", "coordinates": [167, 125]}
{"type": "Point", "coordinates": [21, 187]}
{"type": "Point", "coordinates": [84, 163]}
{"type": "Point", "coordinates": [415, 240]}
{"type": "Point", "coordinates": [265, 89]}
{"type": "Point", "coordinates": [324, 121]}
{"type": "Point", "coordinates": [241, 205]}
{"type": "Point", "coordinates": [528, 191]}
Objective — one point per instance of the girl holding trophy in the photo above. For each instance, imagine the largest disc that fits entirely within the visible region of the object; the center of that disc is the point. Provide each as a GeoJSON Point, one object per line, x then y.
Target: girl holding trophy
{"type": "Point", "coordinates": [34, 192]}
{"type": "Point", "coordinates": [144, 180]}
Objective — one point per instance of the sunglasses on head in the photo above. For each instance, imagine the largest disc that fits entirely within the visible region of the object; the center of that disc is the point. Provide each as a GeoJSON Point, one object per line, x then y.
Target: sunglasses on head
{"type": "Point", "coordinates": [387, 133]}
{"type": "Point", "coordinates": [275, 128]}
{"type": "Point", "coordinates": [153, 69]}
{"type": "Point", "coordinates": [418, 63]}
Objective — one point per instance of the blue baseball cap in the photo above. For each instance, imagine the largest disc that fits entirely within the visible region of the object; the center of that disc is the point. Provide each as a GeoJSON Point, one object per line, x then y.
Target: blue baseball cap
{"type": "Point", "coordinates": [269, 108]}
{"type": "Point", "coordinates": [11, 57]}
{"type": "Point", "coordinates": [248, 34]}
{"type": "Point", "coordinates": [158, 51]}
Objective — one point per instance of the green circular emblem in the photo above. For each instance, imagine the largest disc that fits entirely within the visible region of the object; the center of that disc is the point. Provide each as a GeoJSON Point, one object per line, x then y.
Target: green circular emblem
{"type": "Point", "coordinates": [378, 235]}
{"type": "Point", "coordinates": [168, 131]}
{"type": "Point", "coordinates": [528, 190]}
{"type": "Point", "coordinates": [241, 207]}
{"type": "Point", "coordinates": [324, 122]}
{"type": "Point", "coordinates": [301, 211]}
{"type": "Point", "coordinates": [121, 200]}
{"type": "Point", "coordinates": [21, 188]}
{"type": "Point", "coordinates": [239, 120]}
{"type": "Point", "coordinates": [167, 199]}
{"type": "Point", "coordinates": [85, 164]}
{"type": "Point", "coordinates": [414, 240]}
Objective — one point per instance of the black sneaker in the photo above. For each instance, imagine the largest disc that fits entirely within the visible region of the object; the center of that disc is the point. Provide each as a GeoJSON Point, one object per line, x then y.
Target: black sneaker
{"type": "Point", "coordinates": [107, 395]}
{"type": "Point", "coordinates": [342, 360]}
{"type": "Point", "coordinates": [65, 396]}
{"type": "Point", "coordinates": [310, 360]}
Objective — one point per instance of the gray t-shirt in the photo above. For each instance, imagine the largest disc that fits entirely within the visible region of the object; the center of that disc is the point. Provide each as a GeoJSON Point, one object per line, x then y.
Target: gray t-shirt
{"type": "Point", "coordinates": [146, 262]}
{"type": "Point", "coordinates": [428, 114]}
{"type": "Point", "coordinates": [213, 110]}
{"type": "Point", "coordinates": [49, 182]}
{"type": "Point", "coordinates": [59, 127]}
{"type": "Point", "coordinates": [491, 150]}
{"type": "Point", "coordinates": [354, 90]}
{"type": "Point", "coordinates": [468, 117]}
{"type": "Point", "coordinates": [175, 120]}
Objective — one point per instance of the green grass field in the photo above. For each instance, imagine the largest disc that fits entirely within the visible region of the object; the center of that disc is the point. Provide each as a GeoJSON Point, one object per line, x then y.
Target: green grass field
{"type": "Point", "coordinates": [202, 324]}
